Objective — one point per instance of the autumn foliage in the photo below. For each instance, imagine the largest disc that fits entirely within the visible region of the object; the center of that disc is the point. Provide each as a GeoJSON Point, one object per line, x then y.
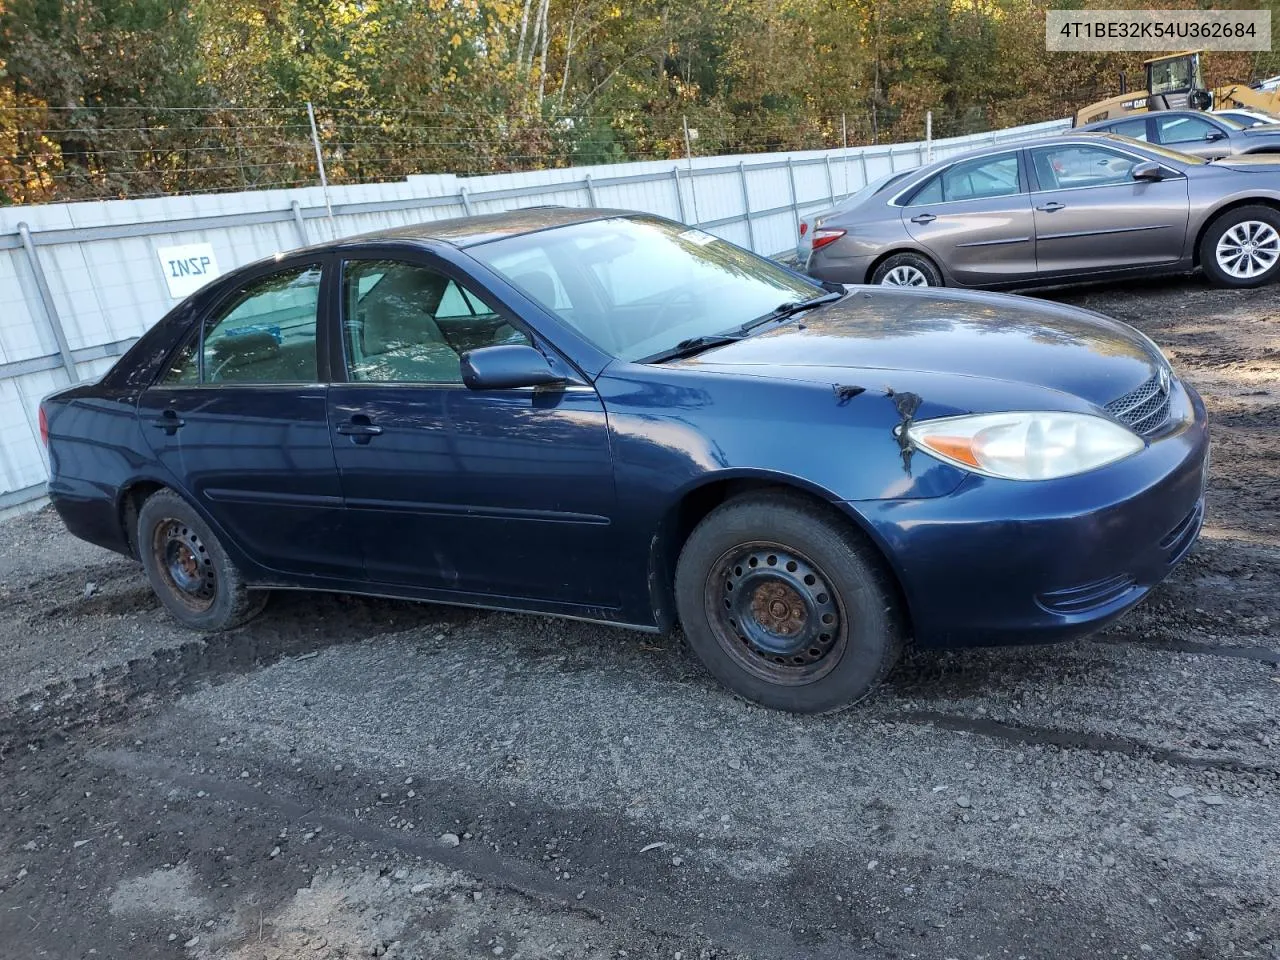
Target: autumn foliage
{"type": "Point", "coordinates": [115, 98]}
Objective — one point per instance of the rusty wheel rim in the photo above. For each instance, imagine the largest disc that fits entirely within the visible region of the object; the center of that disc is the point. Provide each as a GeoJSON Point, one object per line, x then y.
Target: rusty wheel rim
{"type": "Point", "coordinates": [774, 612]}
{"type": "Point", "coordinates": [185, 565]}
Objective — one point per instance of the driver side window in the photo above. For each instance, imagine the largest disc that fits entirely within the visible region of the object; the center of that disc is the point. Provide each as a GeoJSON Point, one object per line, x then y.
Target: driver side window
{"type": "Point", "coordinates": [406, 323]}
{"type": "Point", "coordinates": [1182, 129]}
{"type": "Point", "coordinates": [1080, 165]}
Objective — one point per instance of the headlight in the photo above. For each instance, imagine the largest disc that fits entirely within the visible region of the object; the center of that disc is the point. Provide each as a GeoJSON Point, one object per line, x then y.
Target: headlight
{"type": "Point", "coordinates": [1026, 446]}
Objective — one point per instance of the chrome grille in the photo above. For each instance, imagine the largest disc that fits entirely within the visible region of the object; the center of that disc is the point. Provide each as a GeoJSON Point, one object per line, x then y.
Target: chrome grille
{"type": "Point", "coordinates": [1146, 409]}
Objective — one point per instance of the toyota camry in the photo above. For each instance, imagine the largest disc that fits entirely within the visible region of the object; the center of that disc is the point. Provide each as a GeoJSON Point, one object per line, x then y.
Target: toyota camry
{"type": "Point", "coordinates": [611, 416]}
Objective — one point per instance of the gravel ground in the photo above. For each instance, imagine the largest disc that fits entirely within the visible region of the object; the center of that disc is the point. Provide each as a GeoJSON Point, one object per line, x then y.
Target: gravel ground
{"type": "Point", "coordinates": [355, 778]}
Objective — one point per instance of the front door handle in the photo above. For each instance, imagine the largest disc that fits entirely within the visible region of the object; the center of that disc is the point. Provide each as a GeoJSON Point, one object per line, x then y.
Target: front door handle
{"type": "Point", "coordinates": [1052, 207]}
{"type": "Point", "coordinates": [923, 218]}
{"type": "Point", "coordinates": [360, 429]}
{"type": "Point", "coordinates": [169, 422]}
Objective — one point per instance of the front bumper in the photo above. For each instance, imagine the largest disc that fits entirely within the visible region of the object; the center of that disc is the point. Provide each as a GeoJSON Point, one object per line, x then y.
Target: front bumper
{"type": "Point", "coordinates": [1004, 562]}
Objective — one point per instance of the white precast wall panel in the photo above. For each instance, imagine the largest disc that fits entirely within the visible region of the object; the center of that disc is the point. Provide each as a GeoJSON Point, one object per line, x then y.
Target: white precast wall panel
{"type": "Point", "coordinates": [23, 332]}
{"type": "Point", "coordinates": [108, 286]}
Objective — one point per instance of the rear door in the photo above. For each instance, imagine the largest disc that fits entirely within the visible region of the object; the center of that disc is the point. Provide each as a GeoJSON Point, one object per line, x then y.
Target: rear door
{"type": "Point", "coordinates": [239, 420]}
{"type": "Point", "coordinates": [1091, 215]}
{"type": "Point", "coordinates": [975, 218]}
{"type": "Point", "coordinates": [483, 493]}
{"type": "Point", "coordinates": [1137, 128]}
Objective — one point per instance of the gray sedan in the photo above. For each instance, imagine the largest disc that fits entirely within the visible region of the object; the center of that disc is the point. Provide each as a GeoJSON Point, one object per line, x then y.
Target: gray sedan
{"type": "Point", "coordinates": [1208, 135]}
{"type": "Point", "coordinates": [1054, 211]}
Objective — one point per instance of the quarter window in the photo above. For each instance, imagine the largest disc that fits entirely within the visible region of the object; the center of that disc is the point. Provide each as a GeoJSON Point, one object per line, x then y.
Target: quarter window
{"type": "Point", "coordinates": [1080, 165]}
{"type": "Point", "coordinates": [267, 334]}
{"type": "Point", "coordinates": [411, 324]}
{"type": "Point", "coordinates": [981, 179]}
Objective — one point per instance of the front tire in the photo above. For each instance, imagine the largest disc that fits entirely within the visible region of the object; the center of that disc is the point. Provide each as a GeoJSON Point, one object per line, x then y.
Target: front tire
{"type": "Point", "coordinates": [188, 569]}
{"type": "Point", "coordinates": [907, 270]}
{"type": "Point", "coordinates": [786, 605]}
{"type": "Point", "coordinates": [1241, 248]}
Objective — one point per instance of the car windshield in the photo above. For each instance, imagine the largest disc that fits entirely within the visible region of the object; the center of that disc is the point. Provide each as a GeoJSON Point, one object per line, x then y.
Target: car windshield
{"type": "Point", "coordinates": [1166, 153]}
{"type": "Point", "coordinates": [1229, 121]}
{"type": "Point", "coordinates": [638, 286]}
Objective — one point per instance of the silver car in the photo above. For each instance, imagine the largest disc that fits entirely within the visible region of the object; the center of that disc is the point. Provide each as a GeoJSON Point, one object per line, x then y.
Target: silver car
{"type": "Point", "coordinates": [1054, 211]}
{"type": "Point", "coordinates": [1208, 135]}
{"type": "Point", "coordinates": [1248, 118]}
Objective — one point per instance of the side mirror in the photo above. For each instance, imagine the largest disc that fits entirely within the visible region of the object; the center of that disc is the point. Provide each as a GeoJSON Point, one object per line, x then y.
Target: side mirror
{"type": "Point", "coordinates": [1214, 135]}
{"type": "Point", "coordinates": [507, 366]}
{"type": "Point", "coordinates": [1147, 171]}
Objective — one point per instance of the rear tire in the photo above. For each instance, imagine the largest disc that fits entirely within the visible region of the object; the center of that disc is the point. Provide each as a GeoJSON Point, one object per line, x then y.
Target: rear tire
{"type": "Point", "coordinates": [1241, 248]}
{"type": "Point", "coordinates": [189, 570]}
{"type": "Point", "coordinates": [814, 624]}
{"type": "Point", "coordinates": [907, 270]}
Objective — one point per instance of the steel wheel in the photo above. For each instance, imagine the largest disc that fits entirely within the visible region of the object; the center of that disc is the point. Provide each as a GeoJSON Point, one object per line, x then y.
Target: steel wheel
{"type": "Point", "coordinates": [774, 612]}
{"type": "Point", "coordinates": [1248, 249]}
{"type": "Point", "coordinates": [184, 564]}
{"type": "Point", "coordinates": [905, 276]}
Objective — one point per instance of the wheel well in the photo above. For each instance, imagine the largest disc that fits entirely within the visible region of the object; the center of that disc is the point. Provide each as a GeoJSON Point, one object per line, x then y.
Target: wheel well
{"type": "Point", "coordinates": [1235, 205]}
{"type": "Point", "coordinates": [131, 500]}
{"type": "Point", "coordinates": [871, 270]}
{"type": "Point", "coordinates": [697, 503]}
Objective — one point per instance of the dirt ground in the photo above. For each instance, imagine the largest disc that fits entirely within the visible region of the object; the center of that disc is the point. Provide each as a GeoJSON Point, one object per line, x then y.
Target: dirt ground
{"type": "Point", "coordinates": [353, 778]}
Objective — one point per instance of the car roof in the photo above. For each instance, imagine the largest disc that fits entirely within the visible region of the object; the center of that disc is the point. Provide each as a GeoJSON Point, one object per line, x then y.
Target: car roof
{"type": "Point", "coordinates": [1027, 143]}
{"type": "Point", "coordinates": [469, 231]}
{"type": "Point", "coordinates": [1142, 116]}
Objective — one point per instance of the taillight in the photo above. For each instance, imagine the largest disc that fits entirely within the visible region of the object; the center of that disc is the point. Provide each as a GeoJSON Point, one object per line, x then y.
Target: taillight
{"type": "Point", "coordinates": [823, 237]}
{"type": "Point", "coordinates": [44, 427]}
{"type": "Point", "coordinates": [804, 228]}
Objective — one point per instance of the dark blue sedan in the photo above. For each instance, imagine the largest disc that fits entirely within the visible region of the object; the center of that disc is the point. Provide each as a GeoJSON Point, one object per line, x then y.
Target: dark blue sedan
{"type": "Point", "coordinates": [610, 416]}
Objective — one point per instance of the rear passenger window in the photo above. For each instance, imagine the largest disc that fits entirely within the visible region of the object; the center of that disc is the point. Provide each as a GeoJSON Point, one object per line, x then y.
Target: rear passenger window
{"type": "Point", "coordinates": [1133, 129]}
{"type": "Point", "coordinates": [982, 179]}
{"type": "Point", "coordinates": [267, 334]}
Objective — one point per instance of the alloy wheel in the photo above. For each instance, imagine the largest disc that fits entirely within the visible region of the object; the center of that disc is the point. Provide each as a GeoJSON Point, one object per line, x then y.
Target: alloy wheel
{"type": "Point", "coordinates": [1248, 249]}
{"type": "Point", "coordinates": [905, 276]}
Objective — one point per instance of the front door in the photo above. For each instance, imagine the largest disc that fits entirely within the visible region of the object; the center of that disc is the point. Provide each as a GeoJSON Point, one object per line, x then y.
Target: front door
{"type": "Point", "coordinates": [1193, 134]}
{"type": "Point", "coordinates": [489, 494]}
{"type": "Point", "coordinates": [1091, 215]}
{"type": "Point", "coordinates": [239, 420]}
{"type": "Point", "coordinates": [975, 217]}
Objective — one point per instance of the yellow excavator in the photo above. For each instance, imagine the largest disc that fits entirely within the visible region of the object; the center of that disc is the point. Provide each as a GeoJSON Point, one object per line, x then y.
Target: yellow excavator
{"type": "Point", "coordinates": [1175, 82]}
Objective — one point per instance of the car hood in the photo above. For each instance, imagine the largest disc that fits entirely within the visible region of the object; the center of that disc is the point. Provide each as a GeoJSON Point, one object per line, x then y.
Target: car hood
{"type": "Point", "coordinates": [966, 334]}
{"type": "Point", "coordinates": [1252, 162]}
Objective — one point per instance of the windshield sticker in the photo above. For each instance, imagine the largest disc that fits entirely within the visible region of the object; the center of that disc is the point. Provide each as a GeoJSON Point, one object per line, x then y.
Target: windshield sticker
{"type": "Point", "coordinates": [698, 237]}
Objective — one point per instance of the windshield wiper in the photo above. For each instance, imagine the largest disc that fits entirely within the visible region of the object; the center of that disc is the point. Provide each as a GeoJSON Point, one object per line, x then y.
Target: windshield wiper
{"type": "Point", "coordinates": [692, 345]}
{"type": "Point", "coordinates": [790, 309]}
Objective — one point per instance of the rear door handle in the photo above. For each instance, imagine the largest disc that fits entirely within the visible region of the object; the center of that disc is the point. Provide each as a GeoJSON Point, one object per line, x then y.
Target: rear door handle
{"type": "Point", "coordinates": [1052, 207]}
{"type": "Point", "coordinates": [359, 428]}
{"type": "Point", "coordinates": [169, 422]}
{"type": "Point", "coordinates": [923, 218]}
